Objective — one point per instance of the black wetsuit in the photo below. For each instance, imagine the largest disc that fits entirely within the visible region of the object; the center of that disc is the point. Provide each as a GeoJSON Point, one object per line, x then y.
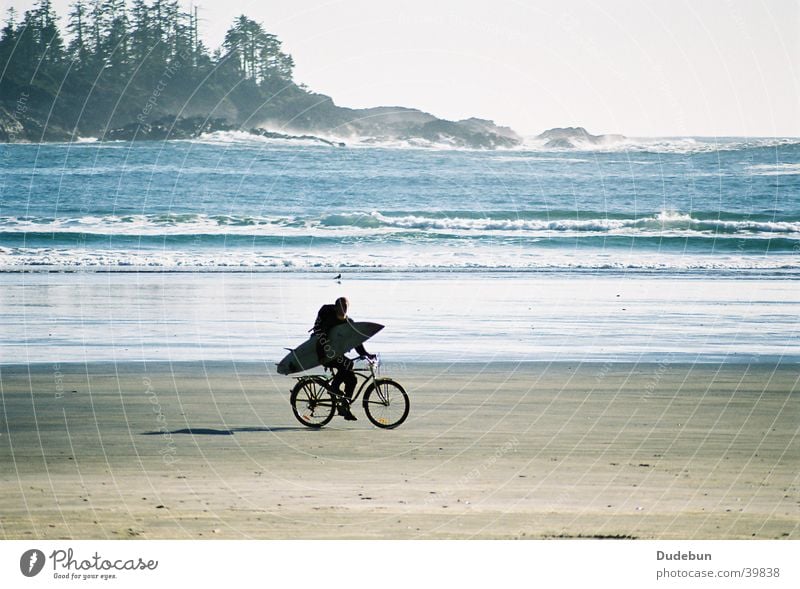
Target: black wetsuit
{"type": "Point", "coordinates": [327, 319]}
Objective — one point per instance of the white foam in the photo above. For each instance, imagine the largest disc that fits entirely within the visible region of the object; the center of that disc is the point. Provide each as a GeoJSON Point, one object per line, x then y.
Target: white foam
{"type": "Point", "coordinates": [359, 223]}
{"type": "Point", "coordinates": [172, 224]}
{"type": "Point", "coordinates": [245, 138]}
{"type": "Point", "coordinates": [446, 259]}
{"type": "Point", "coordinates": [539, 158]}
{"type": "Point", "coordinates": [776, 169]}
{"type": "Point", "coordinates": [664, 220]}
{"type": "Point", "coordinates": [679, 145]}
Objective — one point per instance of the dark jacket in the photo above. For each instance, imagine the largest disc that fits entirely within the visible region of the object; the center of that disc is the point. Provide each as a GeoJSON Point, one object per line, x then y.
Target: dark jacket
{"type": "Point", "coordinates": [327, 319]}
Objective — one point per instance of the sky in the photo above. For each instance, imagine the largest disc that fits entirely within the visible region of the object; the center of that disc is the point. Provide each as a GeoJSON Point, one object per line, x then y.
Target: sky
{"type": "Point", "coordinates": [636, 67]}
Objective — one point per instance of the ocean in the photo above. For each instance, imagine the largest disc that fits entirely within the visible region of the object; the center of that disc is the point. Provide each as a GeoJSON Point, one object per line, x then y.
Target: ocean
{"type": "Point", "coordinates": [675, 249]}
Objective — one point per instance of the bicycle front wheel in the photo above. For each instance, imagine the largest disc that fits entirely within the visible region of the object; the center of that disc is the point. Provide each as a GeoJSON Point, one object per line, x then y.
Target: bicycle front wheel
{"type": "Point", "coordinates": [312, 403]}
{"type": "Point", "coordinates": [386, 403]}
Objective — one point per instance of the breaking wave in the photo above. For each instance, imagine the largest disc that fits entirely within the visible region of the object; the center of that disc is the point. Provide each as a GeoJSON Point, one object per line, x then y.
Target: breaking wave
{"type": "Point", "coordinates": [676, 145]}
{"type": "Point", "coordinates": [359, 223]}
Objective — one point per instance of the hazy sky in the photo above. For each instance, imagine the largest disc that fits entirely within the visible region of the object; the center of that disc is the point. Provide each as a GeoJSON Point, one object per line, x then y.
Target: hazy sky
{"type": "Point", "coordinates": [638, 67]}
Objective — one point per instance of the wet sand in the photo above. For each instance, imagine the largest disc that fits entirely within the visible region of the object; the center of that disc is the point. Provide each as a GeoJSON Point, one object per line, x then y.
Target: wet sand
{"type": "Point", "coordinates": [193, 450]}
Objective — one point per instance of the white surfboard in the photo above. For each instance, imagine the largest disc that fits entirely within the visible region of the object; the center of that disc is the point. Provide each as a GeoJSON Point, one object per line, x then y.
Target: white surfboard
{"type": "Point", "coordinates": [343, 338]}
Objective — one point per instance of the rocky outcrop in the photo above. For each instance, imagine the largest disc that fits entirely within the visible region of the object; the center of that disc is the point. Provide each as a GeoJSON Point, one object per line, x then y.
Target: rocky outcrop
{"type": "Point", "coordinates": [273, 135]}
{"type": "Point", "coordinates": [194, 127]}
{"type": "Point", "coordinates": [392, 124]}
{"type": "Point", "coordinates": [469, 133]}
{"type": "Point", "coordinates": [23, 127]}
{"type": "Point", "coordinates": [573, 137]}
{"type": "Point", "coordinates": [166, 128]}
{"type": "Point", "coordinates": [374, 125]}
{"type": "Point", "coordinates": [11, 130]}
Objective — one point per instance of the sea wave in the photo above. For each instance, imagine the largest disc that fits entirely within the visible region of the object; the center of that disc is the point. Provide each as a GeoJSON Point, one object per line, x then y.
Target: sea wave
{"type": "Point", "coordinates": [154, 224]}
{"type": "Point", "coordinates": [776, 169]}
{"type": "Point", "coordinates": [404, 243]}
{"type": "Point", "coordinates": [525, 157]}
{"type": "Point", "coordinates": [667, 145]}
{"type": "Point", "coordinates": [236, 138]}
{"type": "Point", "coordinates": [359, 223]}
{"type": "Point", "coordinates": [532, 145]}
{"type": "Point", "coordinates": [80, 259]}
{"type": "Point", "coordinates": [662, 221]}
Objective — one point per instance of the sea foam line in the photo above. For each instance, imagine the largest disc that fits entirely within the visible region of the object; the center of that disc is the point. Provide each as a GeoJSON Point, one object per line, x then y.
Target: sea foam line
{"type": "Point", "coordinates": [356, 223]}
{"type": "Point", "coordinates": [444, 260]}
{"type": "Point", "coordinates": [776, 169]}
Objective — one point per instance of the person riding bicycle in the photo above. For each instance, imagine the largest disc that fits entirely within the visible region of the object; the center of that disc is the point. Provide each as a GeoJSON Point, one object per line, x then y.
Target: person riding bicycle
{"type": "Point", "coordinates": [328, 317]}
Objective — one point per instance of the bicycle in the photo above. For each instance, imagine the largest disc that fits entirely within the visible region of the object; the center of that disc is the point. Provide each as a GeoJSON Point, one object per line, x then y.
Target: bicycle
{"type": "Point", "coordinates": [385, 402]}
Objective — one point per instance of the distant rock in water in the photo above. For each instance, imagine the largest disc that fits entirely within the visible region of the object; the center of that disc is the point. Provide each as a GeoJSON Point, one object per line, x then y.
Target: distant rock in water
{"type": "Point", "coordinates": [391, 124]}
{"type": "Point", "coordinates": [474, 133]}
{"type": "Point", "coordinates": [273, 135]}
{"type": "Point", "coordinates": [573, 137]}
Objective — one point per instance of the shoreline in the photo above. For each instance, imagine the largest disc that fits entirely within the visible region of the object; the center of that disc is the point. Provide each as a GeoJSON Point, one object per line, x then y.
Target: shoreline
{"type": "Point", "coordinates": [541, 451]}
{"type": "Point", "coordinates": [512, 317]}
{"type": "Point", "coordinates": [410, 364]}
{"type": "Point", "coordinates": [676, 273]}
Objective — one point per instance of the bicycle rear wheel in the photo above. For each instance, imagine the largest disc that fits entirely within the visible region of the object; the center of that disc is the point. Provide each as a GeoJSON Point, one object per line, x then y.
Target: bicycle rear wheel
{"type": "Point", "coordinates": [386, 403]}
{"type": "Point", "coordinates": [312, 404]}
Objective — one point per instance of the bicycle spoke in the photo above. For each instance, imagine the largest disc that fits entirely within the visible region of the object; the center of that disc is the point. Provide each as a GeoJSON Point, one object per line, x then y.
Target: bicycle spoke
{"type": "Point", "coordinates": [386, 404]}
{"type": "Point", "coordinates": [312, 404]}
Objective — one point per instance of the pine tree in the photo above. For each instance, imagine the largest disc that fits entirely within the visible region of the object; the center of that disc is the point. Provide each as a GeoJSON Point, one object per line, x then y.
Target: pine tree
{"type": "Point", "coordinates": [114, 41]}
{"type": "Point", "coordinates": [183, 38]}
{"type": "Point", "coordinates": [257, 53]}
{"type": "Point", "coordinates": [51, 45]}
{"type": "Point", "coordinates": [8, 41]}
{"type": "Point", "coordinates": [26, 47]}
{"type": "Point", "coordinates": [77, 27]}
{"type": "Point", "coordinates": [160, 27]}
{"type": "Point", "coordinates": [142, 35]}
{"type": "Point", "coordinates": [122, 53]}
{"type": "Point", "coordinates": [96, 32]}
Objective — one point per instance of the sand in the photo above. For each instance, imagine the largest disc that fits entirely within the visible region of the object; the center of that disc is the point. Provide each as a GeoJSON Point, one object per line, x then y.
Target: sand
{"type": "Point", "coordinates": [193, 450]}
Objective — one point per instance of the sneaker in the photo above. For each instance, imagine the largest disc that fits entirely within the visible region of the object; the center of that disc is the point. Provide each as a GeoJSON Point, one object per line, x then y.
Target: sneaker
{"type": "Point", "coordinates": [344, 411]}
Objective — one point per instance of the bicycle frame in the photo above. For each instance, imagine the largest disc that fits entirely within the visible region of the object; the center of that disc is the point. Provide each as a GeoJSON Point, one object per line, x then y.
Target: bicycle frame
{"type": "Point", "coordinates": [366, 375]}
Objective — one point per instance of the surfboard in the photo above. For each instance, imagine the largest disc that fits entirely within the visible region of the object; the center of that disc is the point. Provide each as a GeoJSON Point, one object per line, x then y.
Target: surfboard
{"type": "Point", "coordinates": [343, 338]}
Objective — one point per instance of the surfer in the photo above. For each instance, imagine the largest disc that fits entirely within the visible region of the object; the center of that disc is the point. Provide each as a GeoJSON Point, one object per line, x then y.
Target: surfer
{"type": "Point", "coordinates": [328, 317]}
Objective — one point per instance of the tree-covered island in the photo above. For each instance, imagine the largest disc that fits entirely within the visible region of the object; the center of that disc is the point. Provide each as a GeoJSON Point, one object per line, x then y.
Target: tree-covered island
{"type": "Point", "coordinates": [122, 70]}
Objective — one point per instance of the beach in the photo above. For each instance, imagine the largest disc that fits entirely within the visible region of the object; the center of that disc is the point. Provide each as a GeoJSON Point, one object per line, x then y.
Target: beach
{"type": "Point", "coordinates": [599, 342]}
{"type": "Point", "coordinates": [191, 450]}
{"type": "Point", "coordinates": [562, 240]}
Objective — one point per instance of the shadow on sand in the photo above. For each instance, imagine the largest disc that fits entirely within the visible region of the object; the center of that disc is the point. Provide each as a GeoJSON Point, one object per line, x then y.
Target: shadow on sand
{"type": "Point", "coordinates": [206, 431]}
